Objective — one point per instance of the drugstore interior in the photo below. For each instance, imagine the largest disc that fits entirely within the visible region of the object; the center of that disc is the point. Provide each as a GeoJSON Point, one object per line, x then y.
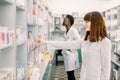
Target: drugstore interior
{"type": "Point", "coordinates": [24, 22]}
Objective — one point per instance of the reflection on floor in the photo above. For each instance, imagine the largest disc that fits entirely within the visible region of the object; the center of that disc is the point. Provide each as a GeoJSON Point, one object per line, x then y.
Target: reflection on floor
{"type": "Point", "coordinates": [60, 73]}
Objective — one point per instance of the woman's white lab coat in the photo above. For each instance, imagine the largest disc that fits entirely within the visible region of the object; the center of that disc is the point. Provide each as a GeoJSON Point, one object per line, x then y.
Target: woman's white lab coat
{"type": "Point", "coordinates": [96, 57]}
{"type": "Point", "coordinates": [71, 61]}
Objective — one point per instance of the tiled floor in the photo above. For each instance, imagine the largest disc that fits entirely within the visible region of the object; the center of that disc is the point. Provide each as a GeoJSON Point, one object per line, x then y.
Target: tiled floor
{"type": "Point", "coordinates": [60, 73]}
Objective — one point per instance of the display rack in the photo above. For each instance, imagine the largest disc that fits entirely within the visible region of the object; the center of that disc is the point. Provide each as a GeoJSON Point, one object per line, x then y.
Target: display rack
{"type": "Point", "coordinates": [17, 18]}
{"type": "Point", "coordinates": [7, 2]}
{"type": "Point", "coordinates": [21, 39]}
{"type": "Point", "coordinates": [32, 15]}
{"type": "Point", "coordinates": [112, 18]}
{"type": "Point", "coordinates": [8, 55]}
{"type": "Point", "coordinates": [116, 63]}
{"type": "Point", "coordinates": [50, 70]}
{"type": "Point", "coordinates": [38, 20]}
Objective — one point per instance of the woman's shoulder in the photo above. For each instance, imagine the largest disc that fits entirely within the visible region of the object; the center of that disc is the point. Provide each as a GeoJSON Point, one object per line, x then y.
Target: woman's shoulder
{"type": "Point", "coordinates": [106, 41]}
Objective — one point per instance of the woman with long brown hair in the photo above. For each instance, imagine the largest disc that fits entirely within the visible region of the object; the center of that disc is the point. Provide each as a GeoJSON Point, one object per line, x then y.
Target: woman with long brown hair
{"type": "Point", "coordinates": [96, 48]}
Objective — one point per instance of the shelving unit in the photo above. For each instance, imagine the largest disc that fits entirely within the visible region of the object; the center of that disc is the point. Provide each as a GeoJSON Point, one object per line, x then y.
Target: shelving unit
{"type": "Point", "coordinates": [21, 43]}
{"type": "Point", "coordinates": [7, 2]}
{"type": "Point", "coordinates": [33, 30]}
{"type": "Point", "coordinates": [4, 47]}
{"type": "Point", "coordinates": [38, 26]}
{"type": "Point", "coordinates": [8, 55]}
{"type": "Point", "coordinates": [116, 63]}
{"type": "Point", "coordinates": [20, 4]}
{"type": "Point", "coordinates": [20, 8]}
{"type": "Point", "coordinates": [21, 39]}
{"type": "Point", "coordinates": [117, 53]}
{"type": "Point", "coordinates": [112, 18]}
{"type": "Point", "coordinates": [17, 18]}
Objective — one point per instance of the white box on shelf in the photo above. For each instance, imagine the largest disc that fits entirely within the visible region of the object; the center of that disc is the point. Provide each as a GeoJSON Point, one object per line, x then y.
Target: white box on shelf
{"type": "Point", "coordinates": [20, 72]}
{"type": "Point", "coordinates": [40, 22]}
{"type": "Point", "coordinates": [21, 34]}
{"type": "Point", "coordinates": [31, 19]}
{"type": "Point", "coordinates": [36, 71]}
{"type": "Point", "coordinates": [6, 37]}
{"type": "Point", "coordinates": [35, 74]}
{"type": "Point", "coordinates": [34, 19]}
{"type": "Point", "coordinates": [24, 33]}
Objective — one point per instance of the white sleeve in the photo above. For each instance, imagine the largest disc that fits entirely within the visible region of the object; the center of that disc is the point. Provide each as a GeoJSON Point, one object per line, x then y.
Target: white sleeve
{"type": "Point", "coordinates": [64, 44]}
{"type": "Point", "coordinates": [105, 60]}
{"type": "Point", "coordinates": [76, 35]}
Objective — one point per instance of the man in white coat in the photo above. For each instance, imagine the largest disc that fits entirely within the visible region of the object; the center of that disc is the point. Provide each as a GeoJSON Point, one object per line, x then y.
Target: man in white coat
{"type": "Point", "coordinates": [71, 60]}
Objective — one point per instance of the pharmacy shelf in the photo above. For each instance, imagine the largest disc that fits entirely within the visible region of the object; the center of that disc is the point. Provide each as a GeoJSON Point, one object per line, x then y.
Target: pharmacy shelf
{"type": "Point", "coordinates": [32, 49]}
{"type": "Point", "coordinates": [21, 43]}
{"type": "Point", "coordinates": [112, 18]}
{"type": "Point", "coordinates": [47, 74]}
{"type": "Point", "coordinates": [13, 15]}
{"type": "Point", "coordinates": [4, 47]}
{"type": "Point", "coordinates": [7, 20]}
{"type": "Point", "coordinates": [32, 25]}
{"type": "Point", "coordinates": [117, 53]}
{"type": "Point", "coordinates": [115, 41]}
{"type": "Point", "coordinates": [116, 63]}
{"type": "Point", "coordinates": [6, 2]}
{"type": "Point", "coordinates": [21, 39]}
{"type": "Point", "coordinates": [43, 68]}
{"type": "Point", "coordinates": [19, 7]}
{"type": "Point", "coordinates": [47, 71]}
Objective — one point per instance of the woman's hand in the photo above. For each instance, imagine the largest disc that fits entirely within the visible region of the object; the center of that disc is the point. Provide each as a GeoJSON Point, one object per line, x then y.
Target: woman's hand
{"type": "Point", "coordinates": [39, 41]}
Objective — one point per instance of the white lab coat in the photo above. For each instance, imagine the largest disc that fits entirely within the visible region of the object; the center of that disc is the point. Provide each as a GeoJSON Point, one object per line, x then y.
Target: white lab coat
{"type": "Point", "coordinates": [96, 57]}
{"type": "Point", "coordinates": [71, 61]}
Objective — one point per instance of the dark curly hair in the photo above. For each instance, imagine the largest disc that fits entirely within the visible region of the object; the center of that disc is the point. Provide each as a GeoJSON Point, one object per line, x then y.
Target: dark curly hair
{"type": "Point", "coordinates": [71, 18]}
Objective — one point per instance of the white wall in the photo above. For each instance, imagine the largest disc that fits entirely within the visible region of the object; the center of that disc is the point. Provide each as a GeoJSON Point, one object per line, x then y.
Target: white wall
{"type": "Point", "coordinates": [81, 6]}
{"type": "Point", "coordinates": [110, 4]}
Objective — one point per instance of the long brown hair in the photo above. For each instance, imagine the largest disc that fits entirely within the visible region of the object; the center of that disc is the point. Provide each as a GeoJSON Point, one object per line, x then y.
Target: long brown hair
{"type": "Point", "coordinates": [97, 28]}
